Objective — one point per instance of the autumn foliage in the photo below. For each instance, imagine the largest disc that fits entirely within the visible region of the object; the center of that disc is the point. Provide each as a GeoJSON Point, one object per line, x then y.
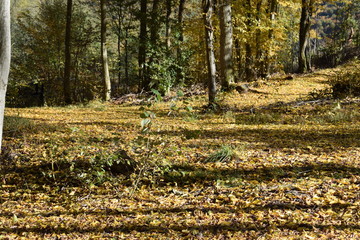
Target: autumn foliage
{"type": "Point", "coordinates": [276, 163]}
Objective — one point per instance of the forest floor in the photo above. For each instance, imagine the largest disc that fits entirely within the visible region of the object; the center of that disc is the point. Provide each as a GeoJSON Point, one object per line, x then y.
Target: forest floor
{"type": "Point", "coordinates": [271, 164]}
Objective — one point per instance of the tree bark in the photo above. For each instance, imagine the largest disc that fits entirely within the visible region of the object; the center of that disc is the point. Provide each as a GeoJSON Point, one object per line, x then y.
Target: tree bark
{"type": "Point", "coordinates": [209, 37]}
{"type": "Point", "coordinates": [259, 43]}
{"type": "Point", "coordinates": [249, 59]}
{"type": "Point", "coordinates": [226, 44]}
{"type": "Point", "coordinates": [168, 25]}
{"type": "Point", "coordinates": [179, 74]}
{"type": "Point", "coordinates": [104, 56]}
{"type": "Point", "coordinates": [272, 10]}
{"type": "Point", "coordinates": [143, 39]}
{"type": "Point", "coordinates": [154, 27]}
{"type": "Point", "coordinates": [67, 69]}
{"type": "Point", "coordinates": [180, 19]}
{"type": "Point", "coordinates": [306, 13]}
{"type": "Point", "coordinates": [5, 55]}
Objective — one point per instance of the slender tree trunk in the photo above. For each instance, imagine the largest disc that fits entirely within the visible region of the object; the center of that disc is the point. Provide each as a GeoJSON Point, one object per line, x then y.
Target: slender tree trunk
{"type": "Point", "coordinates": [226, 44]}
{"type": "Point", "coordinates": [154, 42]}
{"type": "Point", "coordinates": [259, 44]}
{"type": "Point", "coordinates": [209, 37]}
{"type": "Point", "coordinates": [120, 16]}
{"type": "Point", "coordinates": [126, 46]}
{"type": "Point", "coordinates": [104, 56]}
{"type": "Point", "coordinates": [306, 13]}
{"type": "Point", "coordinates": [67, 69]}
{"type": "Point", "coordinates": [143, 39]}
{"type": "Point", "coordinates": [180, 19]}
{"type": "Point", "coordinates": [272, 9]}
{"type": "Point", "coordinates": [5, 54]}
{"type": "Point", "coordinates": [154, 27]}
{"type": "Point", "coordinates": [179, 74]}
{"type": "Point", "coordinates": [168, 25]}
{"type": "Point", "coordinates": [249, 60]}
{"type": "Point", "coordinates": [238, 60]}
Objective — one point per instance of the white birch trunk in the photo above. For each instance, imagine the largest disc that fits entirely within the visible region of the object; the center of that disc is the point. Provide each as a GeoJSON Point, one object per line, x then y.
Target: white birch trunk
{"type": "Point", "coordinates": [5, 49]}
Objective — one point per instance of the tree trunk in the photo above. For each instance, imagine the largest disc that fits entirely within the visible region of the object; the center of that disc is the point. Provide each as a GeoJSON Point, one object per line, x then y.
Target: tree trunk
{"type": "Point", "coordinates": [179, 74]}
{"type": "Point", "coordinates": [226, 44]}
{"type": "Point", "coordinates": [306, 13]}
{"type": "Point", "coordinates": [180, 19]}
{"type": "Point", "coordinates": [272, 9]}
{"type": "Point", "coordinates": [5, 54]}
{"type": "Point", "coordinates": [126, 46]}
{"type": "Point", "coordinates": [154, 27]}
{"type": "Point", "coordinates": [67, 69]}
{"type": "Point", "coordinates": [119, 30]}
{"type": "Point", "coordinates": [209, 37]}
{"type": "Point", "coordinates": [259, 43]}
{"type": "Point", "coordinates": [168, 25]}
{"type": "Point", "coordinates": [142, 44]}
{"type": "Point", "coordinates": [249, 60]}
{"type": "Point", "coordinates": [238, 58]}
{"type": "Point", "coordinates": [104, 57]}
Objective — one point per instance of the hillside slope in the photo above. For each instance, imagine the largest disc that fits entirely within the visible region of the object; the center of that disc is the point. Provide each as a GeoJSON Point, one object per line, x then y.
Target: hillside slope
{"type": "Point", "coordinates": [256, 170]}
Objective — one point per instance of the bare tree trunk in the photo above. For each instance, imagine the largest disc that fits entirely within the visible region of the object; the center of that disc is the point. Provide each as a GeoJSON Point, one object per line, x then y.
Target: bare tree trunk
{"type": "Point", "coordinates": [179, 74]}
{"type": "Point", "coordinates": [209, 36]}
{"type": "Point", "coordinates": [126, 46]}
{"type": "Point", "coordinates": [5, 55]}
{"type": "Point", "coordinates": [238, 60]}
{"type": "Point", "coordinates": [154, 27]}
{"type": "Point", "coordinates": [306, 13]}
{"type": "Point", "coordinates": [104, 56]}
{"type": "Point", "coordinates": [226, 44]}
{"type": "Point", "coordinates": [259, 43]}
{"type": "Point", "coordinates": [272, 9]}
{"type": "Point", "coordinates": [250, 74]}
{"type": "Point", "coordinates": [143, 39]}
{"type": "Point", "coordinates": [67, 69]}
{"type": "Point", "coordinates": [119, 65]}
{"type": "Point", "coordinates": [168, 25]}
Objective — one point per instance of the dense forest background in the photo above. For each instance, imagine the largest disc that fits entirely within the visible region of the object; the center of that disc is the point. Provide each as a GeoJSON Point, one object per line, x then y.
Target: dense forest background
{"type": "Point", "coordinates": [161, 45]}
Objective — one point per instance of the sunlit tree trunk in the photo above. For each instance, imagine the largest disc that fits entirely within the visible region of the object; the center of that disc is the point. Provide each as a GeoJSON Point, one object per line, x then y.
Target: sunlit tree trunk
{"type": "Point", "coordinates": [104, 56]}
{"type": "Point", "coordinates": [209, 37]}
{"type": "Point", "coordinates": [168, 25]}
{"type": "Point", "coordinates": [226, 44]}
{"type": "Point", "coordinates": [272, 10]}
{"type": "Point", "coordinates": [305, 23]}
{"type": "Point", "coordinates": [5, 49]}
{"type": "Point", "coordinates": [249, 59]}
{"type": "Point", "coordinates": [67, 69]}
{"type": "Point", "coordinates": [259, 42]}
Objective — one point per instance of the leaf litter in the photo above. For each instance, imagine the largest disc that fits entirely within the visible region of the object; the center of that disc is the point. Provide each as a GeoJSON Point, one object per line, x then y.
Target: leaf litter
{"type": "Point", "coordinates": [280, 171]}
